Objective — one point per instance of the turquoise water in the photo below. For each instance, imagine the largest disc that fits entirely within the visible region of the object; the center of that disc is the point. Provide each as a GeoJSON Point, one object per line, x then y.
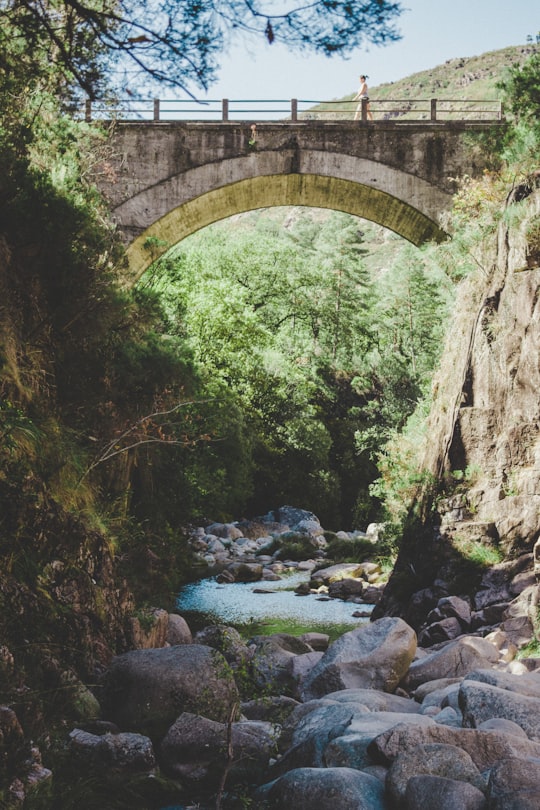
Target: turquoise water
{"type": "Point", "coordinates": [208, 601]}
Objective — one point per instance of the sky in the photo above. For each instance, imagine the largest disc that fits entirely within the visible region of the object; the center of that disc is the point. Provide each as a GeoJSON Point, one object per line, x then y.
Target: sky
{"type": "Point", "coordinates": [433, 31]}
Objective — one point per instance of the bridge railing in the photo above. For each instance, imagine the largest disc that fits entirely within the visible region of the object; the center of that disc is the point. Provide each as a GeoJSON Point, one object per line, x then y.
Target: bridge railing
{"type": "Point", "coordinates": [293, 110]}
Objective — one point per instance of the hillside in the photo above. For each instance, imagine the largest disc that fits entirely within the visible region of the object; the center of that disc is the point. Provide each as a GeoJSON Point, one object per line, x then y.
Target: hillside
{"type": "Point", "coordinates": [473, 77]}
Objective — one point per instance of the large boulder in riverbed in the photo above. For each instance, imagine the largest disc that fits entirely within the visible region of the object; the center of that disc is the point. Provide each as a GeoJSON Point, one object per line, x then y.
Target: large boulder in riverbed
{"type": "Point", "coordinates": [374, 656]}
{"type": "Point", "coordinates": [146, 690]}
{"type": "Point", "coordinates": [323, 788]}
{"type": "Point", "coordinates": [435, 759]}
{"type": "Point", "coordinates": [428, 792]}
{"type": "Point", "coordinates": [197, 751]}
{"type": "Point", "coordinates": [481, 701]}
{"type": "Point", "coordinates": [514, 783]}
{"type": "Point", "coordinates": [455, 660]}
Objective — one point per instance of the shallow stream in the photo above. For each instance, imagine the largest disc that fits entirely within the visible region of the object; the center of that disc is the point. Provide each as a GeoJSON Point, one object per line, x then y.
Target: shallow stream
{"type": "Point", "coordinates": [279, 609]}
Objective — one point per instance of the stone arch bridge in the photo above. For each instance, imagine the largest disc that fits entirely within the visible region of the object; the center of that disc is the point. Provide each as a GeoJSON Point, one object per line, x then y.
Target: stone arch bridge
{"type": "Point", "coordinates": [166, 180]}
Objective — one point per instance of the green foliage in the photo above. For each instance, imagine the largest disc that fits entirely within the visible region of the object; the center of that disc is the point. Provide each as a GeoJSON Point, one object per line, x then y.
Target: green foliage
{"type": "Point", "coordinates": [356, 550]}
{"type": "Point", "coordinates": [310, 349]}
{"type": "Point", "coordinates": [478, 553]}
{"type": "Point", "coordinates": [521, 85]}
{"type": "Point", "coordinates": [80, 45]}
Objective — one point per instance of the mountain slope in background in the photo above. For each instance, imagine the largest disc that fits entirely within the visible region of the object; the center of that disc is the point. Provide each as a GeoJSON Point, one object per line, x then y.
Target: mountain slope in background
{"type": "Point", "coordinates": [471, 77]}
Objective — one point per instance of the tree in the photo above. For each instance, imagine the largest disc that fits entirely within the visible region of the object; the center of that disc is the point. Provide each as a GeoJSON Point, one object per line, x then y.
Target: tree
{"type": "Point", "coordinates": [176, 43]}
{"type": "Point", "coordinates": [522, 87]}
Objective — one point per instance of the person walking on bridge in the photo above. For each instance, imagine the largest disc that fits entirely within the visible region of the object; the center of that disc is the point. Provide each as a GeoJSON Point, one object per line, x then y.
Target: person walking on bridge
{"type": "Point", "coordinates": [361, 96]}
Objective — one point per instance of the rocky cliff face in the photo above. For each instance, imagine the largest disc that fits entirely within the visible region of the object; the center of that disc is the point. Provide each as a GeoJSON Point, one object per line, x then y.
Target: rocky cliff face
{"type": "Point", "coordinates": [486, 415]}
{"type": "Point", "coordinates": [484, 427]}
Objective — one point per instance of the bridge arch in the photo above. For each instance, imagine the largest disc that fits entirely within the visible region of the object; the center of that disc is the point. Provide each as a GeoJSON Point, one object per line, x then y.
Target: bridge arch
{"type": "Point", "coordinates": [168, 180]}
{"type": "Point", "coordinates": [314, 191]}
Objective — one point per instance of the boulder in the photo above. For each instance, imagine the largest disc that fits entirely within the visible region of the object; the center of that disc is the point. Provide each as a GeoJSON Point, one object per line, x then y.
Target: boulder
{"type": "Point", "coordinates": [196, 750]}
{"type": "Point", "coordinates": [228, 641]}
{"type": "Point", "coordinates": [452, 606]}
{"type": "Point", "coordinates": [178, 631]}
{"type": "Point", "coordinates": [526, 684]}
{"type": "Point", "coordinates": [122, 753]}
{"type": "Point", "coordinates": [480, 702]}
{"type": "Point", "coordinates": [336, 573]}
{"type": "Point", "coordinates": [274, 708]}
{"type": "Point", "coordinates": [454, 660]}
{"type": "Point", "coordinates": [449, 717]}
{"type": "Point", "coordinates": [145, 690]}
{"type": "Point", "coordinates": [324, 789]}
{"type": "Point", "coordinates": [443, 630]}
{"type": "Point", "coordinates": [351, 749]}
{"type": "Point", "coordinates": [244, 571]}
{"type": "Point", "coordinates": [514, 784]}
{"type": "Point", "coordinates": [292, 516]}
{"type": "Point", "coordinates": [375, 701]}
{"type": "Point", "coordinates": [421, 692]}
{"type": "Point", "coordinates": [375, 656]}
{"type": "Point", "coordinates": [448, 696]}
{"type": "Point", "coordinates": [317, 641]}
{"type": "Point", "coordinates": [435, 759]}
{"type": "Point", "coordinates": [271, 662]}
{"type": "Point", "coordinates": [428, 792]}
{"type": "Point", "coordinates": [300, 666]}
{"type": "Point", "coordinates": [224, 530]}
{"type": "Point", "coordinates": [484, 747]}
{"type": "Point", "coordinates": [346, 589]}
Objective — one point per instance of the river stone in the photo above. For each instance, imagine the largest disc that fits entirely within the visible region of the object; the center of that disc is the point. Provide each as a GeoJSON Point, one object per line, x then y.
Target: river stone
{"type": "Point", "coordinates": [274, 708]}
{"type": "Point", "coordinates": [442, 697]}
{"type": "Point", "coordinates": [514, 784]}
{"type": "Point", "coordinates": [480, 702]}
{"type": "Point", "coordinates": [120, 753]}
{"type": "Point", "coordinates": [291, 723]}
{"type": "Point", "coordinates": [375, 656]}
{"type": "Point", "coordinates": [317, 641]}
{"type": "Point", "coordinates": [502, 725]}
{"type": "Point", "coordinates": [228, 641]}
{"type": "Point", "coordinates": [324, 789]}
{"type": "Point", "coordinates": [178, 631]}
{"type": "Point", "coordinates": [271, 662]}
{"type": "Point", "coordinates": [526, 684]}
{"type": "Point", "coordinates": [375, 701]}
{"type": "Point", "coordinates": [351, 749]}
{"type": "Point", "coordinates": [195, 749]}
{"type": "Point", "coordinates": [245, 571]}
{"type": "Point", "coordinates": [435, 759]}
{"type": "Point", "coordinates": [454, 660]}
{"type": "Point", "coordinates": [146, 690]}
{"type": "Point", "coordinates": [292, 516]}
{"type": "Point", "coordinates": [324, 720]}
{"type": "Point", "coordinates": [421, 692]}
{"type": "Point", "coordinates": [336, 573]}
{"type": "Point", "coordinates": [444, 630]}
{"type": "Point", "coordinates": [484, 747]}
{"type": "Point", "coordinates": [224, 530]}
{"type": "Point", "coordinates": [449, 717]}
{"type": "Point", "coordinates": [301, 665]}
{"type": "Point", "coordinates": [428, 792]}
{"type": "Point", "coordinates": [451, 606]}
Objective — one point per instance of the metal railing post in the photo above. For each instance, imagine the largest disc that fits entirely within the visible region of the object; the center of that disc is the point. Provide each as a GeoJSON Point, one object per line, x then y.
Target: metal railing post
{"type": "Point", "coordinates": [294, 109]}
{"type": "Point", "coordinates": [433, 109]}
{"type": "Point", "coordinates": [364, 110]}
{"type": "Point", "coordinates": [224, 109]}
{"type": "Point", "coordinates": [88, 110]}
{"type": "Point", "coordinates": [156, 109]}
